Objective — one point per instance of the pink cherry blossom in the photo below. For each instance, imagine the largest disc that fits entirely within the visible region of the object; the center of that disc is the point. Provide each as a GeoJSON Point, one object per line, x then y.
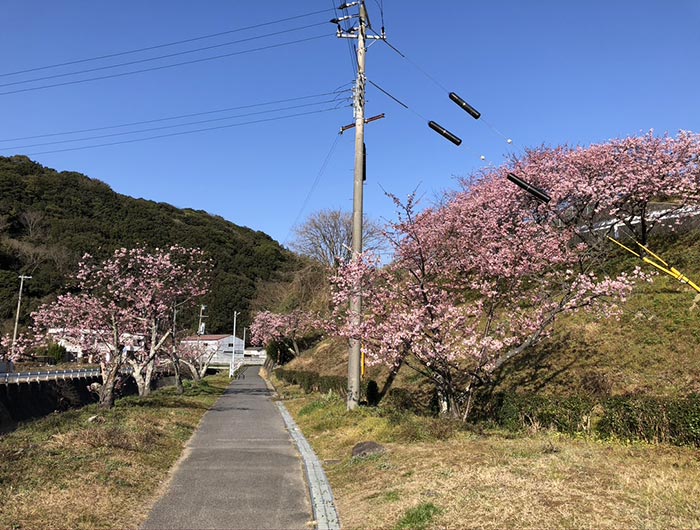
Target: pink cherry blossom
{"type": "Point", "coordinates": [123, 310]}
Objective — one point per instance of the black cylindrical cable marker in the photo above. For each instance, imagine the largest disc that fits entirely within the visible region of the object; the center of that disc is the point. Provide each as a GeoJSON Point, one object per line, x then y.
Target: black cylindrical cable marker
{"type": "Point", "coordinates": [465, 106]}
{"type": "Point", "coordinates": [536, 192]}
{"type": "Point", "coordinates": [444, 132]}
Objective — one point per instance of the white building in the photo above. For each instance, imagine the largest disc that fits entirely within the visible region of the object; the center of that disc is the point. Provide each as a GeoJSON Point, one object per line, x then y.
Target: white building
{"type": "Point", "coordinates": [132, 343]}
{"type": "Point", "coordinates": [219, 347]}
{"type": "Point", "coordinates": [253, 355]}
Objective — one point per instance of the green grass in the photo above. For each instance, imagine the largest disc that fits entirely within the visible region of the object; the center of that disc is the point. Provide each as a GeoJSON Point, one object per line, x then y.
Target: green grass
{"type": "Point", "coordinates": [418, 518]}
{"type": "Point", "coordinates": [70, 471]}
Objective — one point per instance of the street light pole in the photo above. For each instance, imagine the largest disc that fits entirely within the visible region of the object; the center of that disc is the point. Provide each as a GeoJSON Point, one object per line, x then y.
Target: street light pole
{"type": "Point", "coordinates": [233, 349]}
{"type": "Point", "coordinates": [22, 277]}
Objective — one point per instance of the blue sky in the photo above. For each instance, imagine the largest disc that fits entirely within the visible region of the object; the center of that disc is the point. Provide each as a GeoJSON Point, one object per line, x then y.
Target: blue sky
{"type": "Point", "coordinates": [540, 72]}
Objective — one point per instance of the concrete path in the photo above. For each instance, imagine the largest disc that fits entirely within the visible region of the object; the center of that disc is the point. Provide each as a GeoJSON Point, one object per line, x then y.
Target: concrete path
{"type": "Point", "coordinates": [241, 471]}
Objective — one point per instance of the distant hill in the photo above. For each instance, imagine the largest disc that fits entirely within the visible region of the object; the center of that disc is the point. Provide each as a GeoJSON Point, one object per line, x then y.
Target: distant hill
{"type": "Point", "coordinates": [48, 220]}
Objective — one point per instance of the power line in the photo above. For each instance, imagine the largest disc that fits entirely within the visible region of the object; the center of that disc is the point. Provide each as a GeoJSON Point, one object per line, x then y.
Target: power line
{"type": "Point", "coordinates": [174, 43]}
{"type": "Point", "coordinates": [380, 5]}
{"type": "Point", "coordinates": [396, 100]}
{"type": "Point", "coordinates": [163, 127]}
{"type": "Point", "coordinates": [442, 87]}
{"type": "Point", "coordinates": [163, 67]}
{"type": "Point", "coordinates": [417, 67]}
{"type": "Point", "coordinates": [157, 58]}
{"type": "Point", "coordinates": [353, 59]}
{"type": "Point", "coordinates": [321, 171]}
{"type": "Point", "coordinates": [277, 118]}
{"type": "Point", "coordinates": [191, 115]}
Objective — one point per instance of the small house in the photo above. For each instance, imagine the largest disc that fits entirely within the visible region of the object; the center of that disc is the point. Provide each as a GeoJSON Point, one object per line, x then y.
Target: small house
{"type": "Point", "coordinates": [219, 347]}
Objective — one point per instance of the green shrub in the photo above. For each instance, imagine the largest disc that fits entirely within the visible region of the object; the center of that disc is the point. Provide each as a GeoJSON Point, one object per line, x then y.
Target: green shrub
{"type": "Point", "coordinates": [565, 414]}
{"type": "Point", "coordinates": [650, 419]}
{"type": "Point", "coordinates": [313, 382]}
{"type": "Point", "coordinates": [53, 353]}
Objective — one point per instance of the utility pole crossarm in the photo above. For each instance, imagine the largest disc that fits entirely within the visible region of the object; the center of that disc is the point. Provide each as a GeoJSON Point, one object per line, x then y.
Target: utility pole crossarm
{"type": "Point", "coordinates": [367, 120]}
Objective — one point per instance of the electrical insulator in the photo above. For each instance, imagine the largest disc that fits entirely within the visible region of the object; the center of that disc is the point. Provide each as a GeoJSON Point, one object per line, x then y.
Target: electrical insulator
{"type": "Point", "coordinates": [465, 106]}
{"type": "Point", "coordinates": [536, 192]}
{"type": "Point", "coordinates": [444, 132]}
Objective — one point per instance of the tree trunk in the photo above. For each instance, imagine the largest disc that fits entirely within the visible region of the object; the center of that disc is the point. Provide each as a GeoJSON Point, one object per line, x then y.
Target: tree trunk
{"type": "Point", "coordinates": [148, 378]}
{"type": "Point", "coordinates": [443, 402]}
{"type": "Point", "coordinates": [389, 381]}
{"type": "Point", "coordinates": [138, 377]}
{"type": "Point", "coordinates": [269, 364]}
{"type": "Point", "coordinates": [109, 380]}
{"type": "Point", "coordinates": [178, 374]}
{"type": "Point", "coordinates": [193, 370]}
{"type": "Point", "coordinates": [142, 373]}
{"type": "Point", "coordinates": [468, 406]}
{"type": "Point", "coordinates": [445, 395]}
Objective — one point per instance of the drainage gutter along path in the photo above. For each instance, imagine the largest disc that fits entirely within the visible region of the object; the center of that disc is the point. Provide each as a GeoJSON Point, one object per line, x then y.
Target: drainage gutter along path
{"type": "Point", "coordinates": [240, 469]}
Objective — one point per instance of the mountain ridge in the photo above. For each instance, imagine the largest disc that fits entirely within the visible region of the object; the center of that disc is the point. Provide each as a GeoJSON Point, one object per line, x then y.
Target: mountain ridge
{"type": "Point", "coordinates": [49, 219]}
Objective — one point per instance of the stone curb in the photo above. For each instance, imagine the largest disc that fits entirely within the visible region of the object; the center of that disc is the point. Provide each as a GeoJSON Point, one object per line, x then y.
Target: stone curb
{"type": "Point", "coordinates": [320, 491]}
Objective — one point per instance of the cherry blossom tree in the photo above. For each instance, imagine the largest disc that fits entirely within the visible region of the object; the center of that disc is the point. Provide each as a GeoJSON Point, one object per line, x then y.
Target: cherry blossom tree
{"type": "Point", "coordinates": [196, 357]}
{"type": "Point", "coordinates": [96, 325]}
{"type": "Point", "coordinates": [480, 278]}
{"type": "Point", "coordinates": [123, 310]}
{"type": "Point", "coordinates": [24, 345]}
{"type": "Point", "coordinates": [638, 182]}
{"type": "Point", "coordinates": [474, 283]}
{"type": "Point", "coordinates": [286, 329]}
{"type": "Point", "coordinates": [164, 279]}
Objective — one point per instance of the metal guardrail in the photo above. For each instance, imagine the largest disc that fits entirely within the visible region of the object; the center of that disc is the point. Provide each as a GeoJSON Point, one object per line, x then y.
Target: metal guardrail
{"type": "Point", "coordinates": [54, 375]}
{"type": "Point", "coordinates": [57, 375]}
{"type": "Point", "coordinates": [33, 377]}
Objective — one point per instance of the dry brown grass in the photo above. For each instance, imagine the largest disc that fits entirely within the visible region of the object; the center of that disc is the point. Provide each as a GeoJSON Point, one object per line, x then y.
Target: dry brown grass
{"type": "Point", "coordinates": [65, 472]}
{"type": "Point", "coordinates": [496, 480]}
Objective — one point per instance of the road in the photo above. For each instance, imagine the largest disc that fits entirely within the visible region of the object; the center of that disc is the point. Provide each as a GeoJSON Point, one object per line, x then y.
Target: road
{"type": "Point", "coordinates": [240, 470]}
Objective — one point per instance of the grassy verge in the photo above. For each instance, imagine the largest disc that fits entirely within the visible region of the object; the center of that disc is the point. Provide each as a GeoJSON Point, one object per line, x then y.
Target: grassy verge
{"type": "Point", "coordinates": [89, 468]}
{"type": "Point", "coordinates": [437, 475]}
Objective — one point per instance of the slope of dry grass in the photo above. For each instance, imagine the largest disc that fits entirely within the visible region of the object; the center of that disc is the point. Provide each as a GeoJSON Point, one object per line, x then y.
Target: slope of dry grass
{"type": "Point", "coordinates": [454, 478]}
{"type": "Point", "coordinates": [67, 471]}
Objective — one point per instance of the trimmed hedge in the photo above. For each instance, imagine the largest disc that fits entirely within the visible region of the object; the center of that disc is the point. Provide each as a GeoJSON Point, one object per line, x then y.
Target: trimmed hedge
{"type": "Point", "coordinates": [674, 421]}
{"type": "Point", "coordinates": [650, 419]}
{"type": "Point", "coordinates": [313, 382]}
{"type": "Point", "coordinates": [565, 414]}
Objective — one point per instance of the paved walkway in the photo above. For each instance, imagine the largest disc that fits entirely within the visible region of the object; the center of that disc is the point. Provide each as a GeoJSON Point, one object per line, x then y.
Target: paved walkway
{"type": "Point", "coordinates": [242, 470]}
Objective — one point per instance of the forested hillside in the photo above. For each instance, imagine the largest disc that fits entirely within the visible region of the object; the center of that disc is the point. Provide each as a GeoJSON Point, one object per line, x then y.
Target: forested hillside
{"type": "Point", "coordinates": [48, 220]}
